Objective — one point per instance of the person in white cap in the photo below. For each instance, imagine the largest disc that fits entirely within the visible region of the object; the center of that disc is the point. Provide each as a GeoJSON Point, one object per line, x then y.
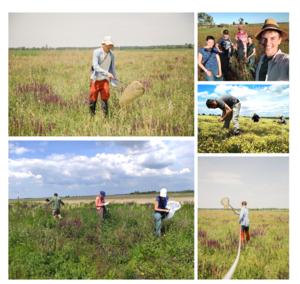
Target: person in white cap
{"type": "Point", "coordinates": [103, 71]}
{"type": "Point", "coordinates": [160, 210]}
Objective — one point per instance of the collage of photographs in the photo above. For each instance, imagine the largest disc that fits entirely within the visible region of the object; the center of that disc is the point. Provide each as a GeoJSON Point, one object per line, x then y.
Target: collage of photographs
{"type": "Point", "coordinates": [148, 146]}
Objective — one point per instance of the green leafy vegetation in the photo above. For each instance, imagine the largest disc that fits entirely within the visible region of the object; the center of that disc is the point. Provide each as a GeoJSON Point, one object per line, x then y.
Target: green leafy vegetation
{"type": "Point", "coordinates": [81, 247]}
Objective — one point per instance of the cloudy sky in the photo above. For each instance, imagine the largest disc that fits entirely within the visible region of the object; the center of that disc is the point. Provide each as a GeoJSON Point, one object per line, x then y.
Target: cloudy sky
{"type": "Point", "coordinates": [261, 181]}
{"type": "Point", "coordinates": [265, 100]}
{"type": "Point", "coordinates": [88, 29]}
{"type": "Point", "coordinates": [228, 18]}
{"type": "Point", "coordinates": [40, 168]}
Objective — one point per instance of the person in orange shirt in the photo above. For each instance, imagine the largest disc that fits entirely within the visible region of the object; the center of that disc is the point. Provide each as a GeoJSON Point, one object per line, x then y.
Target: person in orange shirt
{"type": "Point", "coordinates": [100, 205]}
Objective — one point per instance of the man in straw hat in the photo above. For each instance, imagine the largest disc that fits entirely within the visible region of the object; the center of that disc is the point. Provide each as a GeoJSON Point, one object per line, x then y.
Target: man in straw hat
{"type": "Point", "coordinates": [103, 71]}
{"type": "Point", "coordinates": [273, 64]}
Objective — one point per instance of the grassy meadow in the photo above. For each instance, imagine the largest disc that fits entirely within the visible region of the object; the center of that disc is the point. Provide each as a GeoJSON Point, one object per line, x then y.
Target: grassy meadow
{"type": "Point", "coordinates": [239, 72]}
{"type": "Point", "coordinates": [266, 136]}
{"type": "Point", "coordinates": [266, 256]}
{"type": "Point", "coordinates": [81, 247]}
{"type": "Point", "coordinates": [49, 89]}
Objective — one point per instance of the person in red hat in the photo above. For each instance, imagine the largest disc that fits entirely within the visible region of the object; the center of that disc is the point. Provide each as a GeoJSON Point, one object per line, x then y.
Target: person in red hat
{"type": "Point", "coordinates": [273, 65]}
{"type": "Point", "coordinates": [103, 71]}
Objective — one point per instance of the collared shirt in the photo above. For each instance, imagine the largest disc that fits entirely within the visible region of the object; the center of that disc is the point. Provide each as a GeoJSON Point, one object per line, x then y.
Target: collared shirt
{"type": "Point", "coordinates": [103, 63]}
{"type": "Point", "coordinates": [278, 67]}
{"type": "Point", "coordinates": [244, 217]}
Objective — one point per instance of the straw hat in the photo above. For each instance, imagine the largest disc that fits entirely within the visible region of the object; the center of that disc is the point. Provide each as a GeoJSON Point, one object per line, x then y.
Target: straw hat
{"type": "Point", "coordinates": [271, 25]}
{"type": "Point", "coordinates": [107, 40]}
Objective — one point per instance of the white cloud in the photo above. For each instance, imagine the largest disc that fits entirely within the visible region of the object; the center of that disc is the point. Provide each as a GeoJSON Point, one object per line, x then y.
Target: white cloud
{"type": "Point", "coordinates": [17, 150]}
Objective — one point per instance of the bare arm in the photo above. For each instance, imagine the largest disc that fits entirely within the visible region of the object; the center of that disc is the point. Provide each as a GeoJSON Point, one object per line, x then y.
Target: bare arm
{"type": "Point", "coordinates": [159, 209]}
{"type": "Point", "coordinates": [219, 66]}
{"type": "Point", "coordinates": [226, 112]}
{"type": "Point", "coordinates": [200, 57]}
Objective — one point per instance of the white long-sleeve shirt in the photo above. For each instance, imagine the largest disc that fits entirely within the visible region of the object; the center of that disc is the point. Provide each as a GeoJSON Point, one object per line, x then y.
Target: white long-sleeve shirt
{"type": "Point", "coordinates": [244, 217]}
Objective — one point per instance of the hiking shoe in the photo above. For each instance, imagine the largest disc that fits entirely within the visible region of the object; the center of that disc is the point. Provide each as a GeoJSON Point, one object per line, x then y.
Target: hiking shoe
{"type": "Point", "coordinates": [104, 106]}
{"type": "Point", "coordinates": [93, 108]}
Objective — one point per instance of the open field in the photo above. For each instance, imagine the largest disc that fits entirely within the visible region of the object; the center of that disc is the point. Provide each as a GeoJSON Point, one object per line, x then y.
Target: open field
{"type": "Point", "coordinates": [48, 94]}
{"type": "Point", "coordinates": [266, 136]}
{"type": "Point", "coordinates": [239, 72]}
{"type": "Point", "coordinates": [80, 247]}
{"type": "Point", "coordinates": [265, 257]}
{"type": "Point", "coordinates": [142, 198]}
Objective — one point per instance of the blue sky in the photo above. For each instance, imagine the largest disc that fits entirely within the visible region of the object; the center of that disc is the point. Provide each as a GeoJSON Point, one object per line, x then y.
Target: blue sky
{"type": "Point", "coordinates": [262, 181]}
{"type": "Point", "coordinates": [228, 18]}
{"type": "Point", "coordinates": [40, 168]}
{"type": "Point", "coordinates": [265, 100]}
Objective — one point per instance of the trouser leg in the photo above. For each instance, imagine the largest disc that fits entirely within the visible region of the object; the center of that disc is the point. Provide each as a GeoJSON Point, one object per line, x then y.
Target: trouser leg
{"type": "Point", "coordinates": [157, 219]}
{"type": "Point", "coordinates": [93, 97]}
{"type": "Point", "coordinates": [235, 116]}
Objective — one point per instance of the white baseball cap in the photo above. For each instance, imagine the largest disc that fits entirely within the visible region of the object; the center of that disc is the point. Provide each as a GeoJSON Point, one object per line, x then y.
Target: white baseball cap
{"type": "Point", "coordinates": [107, 40]}
{"type": "Point", "coordinates": [163, 192]}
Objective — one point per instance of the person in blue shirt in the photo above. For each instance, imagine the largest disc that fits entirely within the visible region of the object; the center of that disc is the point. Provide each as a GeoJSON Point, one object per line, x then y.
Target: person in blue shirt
{"type": "Point", "coordinates": [160, 210]}
{"type": "Point", "coordinates": [209, 60]}
{"type": "Point", "coordinates": [245, 223]}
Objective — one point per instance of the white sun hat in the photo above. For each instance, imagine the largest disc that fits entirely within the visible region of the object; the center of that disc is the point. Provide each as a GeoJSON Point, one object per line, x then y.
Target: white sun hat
{"type": "Point", "coordinates": [163, 192]}
{"type": "Point", "coordinates": [107, 40]}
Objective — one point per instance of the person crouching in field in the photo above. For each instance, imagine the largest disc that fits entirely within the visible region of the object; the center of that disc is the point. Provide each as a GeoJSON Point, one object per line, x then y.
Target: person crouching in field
{"type": "Point", "coordinates": [56, 203]}
{"type": "Point", "coordinates": [209, 60]}
{"type": "Point", "coordinates": [231, 110]}
{"type": "Point", "coordinates": [103, 71]}
{"type": "Point", "coordinates": [245, 223]}
{"type": "Point", "coordinates": [160, 210]}
{"type": "Point", "coordinates": [100, 205]}
{"type": "Point", "coordinates": [273, 65]}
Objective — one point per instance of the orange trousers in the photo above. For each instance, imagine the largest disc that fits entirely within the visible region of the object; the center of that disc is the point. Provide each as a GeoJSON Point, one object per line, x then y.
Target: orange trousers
{"type": "Point", "coordinates": [97, 87]}
{"type": "Point", "coordinates": [245, 233]}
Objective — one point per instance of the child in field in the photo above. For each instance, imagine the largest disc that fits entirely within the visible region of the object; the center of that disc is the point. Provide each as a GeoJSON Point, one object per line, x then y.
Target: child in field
{"type": "Point", "coordinates": [241, 38]}
{"type": "Point", "coordinates": [160, 210]}
{"type": "Point", "coordinates": [225, 47]}
{"type": "Point", "coordinates": [56, 203]}
{"type": "Point", "coordinates": [100, 205]}
{"type": "Point", "coordinates": [245, 223]}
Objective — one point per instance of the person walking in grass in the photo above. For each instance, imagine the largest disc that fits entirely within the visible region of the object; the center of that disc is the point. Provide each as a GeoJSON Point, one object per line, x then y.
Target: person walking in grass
{"type": "Point", "coordinates": [245, 223]}
{"type": "Point", "coordinates": [103, 71]}
{"type": "Point", "coordinates": [273, 65]}
{"type": "Point", "coordinates": [160, 210]}
{"type": "Point", "coordinates": [100, 205]}
{"type": "Point", "coordinates": [209, 60]}
{"type": "Point", "coordinates": [230, 106]}
{"type": "Point", "coordinates": [56, 203]}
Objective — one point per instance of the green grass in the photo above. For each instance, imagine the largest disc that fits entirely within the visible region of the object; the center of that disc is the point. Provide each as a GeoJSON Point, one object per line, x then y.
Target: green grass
{"type": "Point", "coordinates": [49, 89]}
{"type": "Point", "coordinates": [265, 257]}
{"type": "Point", "coordinates": [239, 72]}
{"type": "Point", "coordinates": [266, 136]}
{"type": "Point", "coordinates": [78, 247]}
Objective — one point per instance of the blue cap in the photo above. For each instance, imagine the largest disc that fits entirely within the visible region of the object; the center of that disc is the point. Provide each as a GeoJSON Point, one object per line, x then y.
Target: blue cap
{"type": "Point", "coordinates": [102, 193]}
